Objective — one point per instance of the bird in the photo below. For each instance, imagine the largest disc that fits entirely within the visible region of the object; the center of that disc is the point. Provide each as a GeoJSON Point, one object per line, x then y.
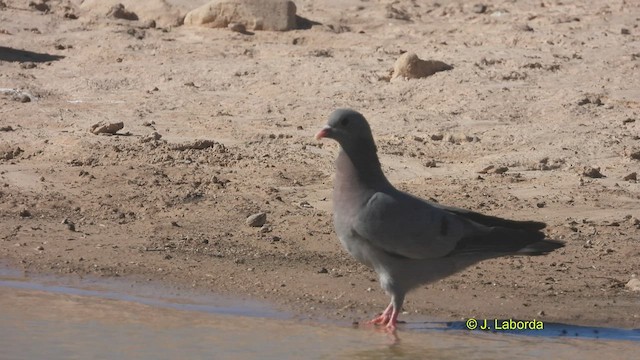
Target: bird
{"type": "Point", "coordinates": [406, 240]}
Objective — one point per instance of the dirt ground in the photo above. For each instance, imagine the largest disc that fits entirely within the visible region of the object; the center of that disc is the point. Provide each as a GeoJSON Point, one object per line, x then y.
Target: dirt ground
{"type": "Point", "coordinates": [541, 90]}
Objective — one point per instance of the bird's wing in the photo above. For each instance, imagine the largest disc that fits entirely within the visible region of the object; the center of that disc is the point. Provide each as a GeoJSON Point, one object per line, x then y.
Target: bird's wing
{"type": "Point", "coordinates": [406, 226]}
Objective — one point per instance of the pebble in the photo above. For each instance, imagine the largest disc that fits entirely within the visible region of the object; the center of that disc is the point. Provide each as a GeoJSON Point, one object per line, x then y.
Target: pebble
{"type": "Point", "coordinates": [119, 12]}
{"type": "Point", "coordinates": [631, 177]}
{"type": "Point", "coordinates": [104, 128]}
{"type": "Point", "coordinates": [633, 284]}
{"type": "Point", "coordinates": [257, 219]}
{"type": "Point", "coordinates": [70, 224]}
{"type": "Point", "coordinates": [40, 248]}
{"type": "Point", "coordinates": [625, 31]}
{"type": "Point", "coordinates": [592, 172]}
{"type": "Point", "coordinates": [479, 8]}
{"type": "Point", "coordinates": [410, 66]}
{"type": "Point", "coordinates": [25, 213]}
{"type": "Point", "coordinates": [237, 27]}
{"type": "Point", "coordinates": [23, 98]}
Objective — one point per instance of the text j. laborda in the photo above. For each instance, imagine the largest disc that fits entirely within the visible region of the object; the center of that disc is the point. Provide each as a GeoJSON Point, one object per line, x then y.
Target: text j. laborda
{"type": "Point", "coordinates": [500, 325]}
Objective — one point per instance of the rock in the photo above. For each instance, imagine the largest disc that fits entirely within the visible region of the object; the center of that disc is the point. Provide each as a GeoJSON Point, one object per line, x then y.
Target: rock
{"type": "Point", "coordinates": [625, 31]}
{"type": "Point", "coordinates": [274, 15]}
{"type": "Point", "coordinates": [592, 172]}
{"type": "Point", "coordinates": [257, 219]}
{"type": "Point", "coordinates": [70, 224]}
{"type": "Point", "coordinates": [430, 164]}
{"type": "Point", "coordinates": [479, 8]}
{"type": "Point", "coordinates": [461, 138]}
{"type": "Point", "coordinates": [23, 98]}
{"type": "Point", "coordinates": [628, 121]}
{"type": "Point", "coordinates": [165, 13]}
{"type": "Point", "coordinates": [437, 137]}
{"type": "Point", "coordinates": [633, 284]}
{"type": "Point", "coordinates": [410, 66]}
{"type": "Point", "coordinates": [633, 154]}
{"type": "Point", "coordinates": [154, 136]}
{"type": "Point", "coordinates": [631, 177]}
{"type": "Point", "coordinates": [237, 27]}
{"type": "Point", "coordinates": [323, 270]}
{"type": "Point", "coordinates": [39, 5]}
{"type": "Point", "coordinates": [40, 248]}
{"type": "Point", "coordinates": [499, 170]}
{"type": "Point", "coordinates": [104, 128]}
{"type": "Point", "coordinates": [118, 11]}
{"type": "Point", "coordinates": [8, 152]}
{"type": "Point", "coordinates": [591, 99]}
{"type": "Point", "coordinates": [197, 145]}
{"type": "Point", "coordinates": [24, 213]}
{"type": "Point", "coordinates": [486, 169]}
{"type": "Point", "coordinates": [6, 128]}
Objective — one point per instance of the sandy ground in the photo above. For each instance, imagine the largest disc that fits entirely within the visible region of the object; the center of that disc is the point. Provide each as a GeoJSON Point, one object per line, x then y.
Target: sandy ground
{"type": "Point", "coordinates": [543, 88]}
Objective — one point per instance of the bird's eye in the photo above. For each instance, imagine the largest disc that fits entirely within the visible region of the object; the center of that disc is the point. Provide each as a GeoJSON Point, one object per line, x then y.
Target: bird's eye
{"type": "Point", "coordinates": [344, 121]}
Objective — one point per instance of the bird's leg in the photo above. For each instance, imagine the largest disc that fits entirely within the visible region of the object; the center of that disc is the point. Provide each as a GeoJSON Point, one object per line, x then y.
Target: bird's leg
{"type": "Point", "coordinates": [396, 302]}
{"type": "Point", "coordinates": [383, 318]}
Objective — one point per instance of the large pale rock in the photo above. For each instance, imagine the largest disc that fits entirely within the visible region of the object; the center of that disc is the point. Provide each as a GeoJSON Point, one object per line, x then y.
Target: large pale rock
{"type": "Point", "coordinates": [161, 11]}
{"type": "Point", "coordinates": [411, 67]}
{"type": "Point", "coordinates": [275, 15]}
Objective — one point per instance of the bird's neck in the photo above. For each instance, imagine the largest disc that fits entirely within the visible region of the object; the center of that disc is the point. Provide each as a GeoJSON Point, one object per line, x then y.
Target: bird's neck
{"type": "Point", "coordinates": [361, 167]}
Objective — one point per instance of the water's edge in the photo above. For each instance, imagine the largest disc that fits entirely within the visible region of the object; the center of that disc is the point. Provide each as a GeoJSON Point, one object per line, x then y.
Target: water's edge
{"type": "Point", "coordinates": [156, 296]}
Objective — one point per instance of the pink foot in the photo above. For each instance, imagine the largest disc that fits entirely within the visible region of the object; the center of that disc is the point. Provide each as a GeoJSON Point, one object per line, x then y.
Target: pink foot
{"type": "Point", "coordinates": [384, 318]}
{"type": "Point", "coordinates": [388, 319]}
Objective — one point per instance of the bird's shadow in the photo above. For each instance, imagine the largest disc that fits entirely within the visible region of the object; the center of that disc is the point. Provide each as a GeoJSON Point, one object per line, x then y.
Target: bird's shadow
{"type": "Point", "coordinates": [17, 55]}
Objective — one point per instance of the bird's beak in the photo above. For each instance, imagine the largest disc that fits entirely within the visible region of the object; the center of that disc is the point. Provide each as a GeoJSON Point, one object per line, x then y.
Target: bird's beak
{"type": "Point", "coordinates": [325, 132]}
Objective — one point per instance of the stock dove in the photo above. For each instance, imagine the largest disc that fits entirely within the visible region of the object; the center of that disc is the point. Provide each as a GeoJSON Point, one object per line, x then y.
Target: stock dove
{"type": "Point", "coordinates": [409, 241]}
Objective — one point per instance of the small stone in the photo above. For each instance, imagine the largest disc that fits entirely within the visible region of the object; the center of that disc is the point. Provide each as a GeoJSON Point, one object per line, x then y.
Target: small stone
{"type": "Point", "coordinates": [257, 219]}
{"type": "Point", "coordinates": [633, 284]}
{"type": "Point", "coordinates": [625, 31]}
{"type": "Point", "coordinates": [628, 121]}
{"type": "Point", "coordinates": [40, 248]}
{"type": "Point", "coordinates": [500, 170]}
{"type": "Point", "coordinates": [6, 128]}
{"type": "Point", "coordinates": [540, 205]}
{"type": "Point", "coordinates": [323, 271]}
{"type": "Point", "coordinates": [486, 169]}
{"type": "Point", "coordinates": [541, 313]}
{"type": "Point", "coordinates": [524, 27]}
{"type": "Point", "coordinates": [104, 128]}
{"type": "Point", "coordinates": [430, 164]}
{"type": "Point", "coordinates": [25, 213]}
{"type": "Point", "coordinates": [237, 27]}
{"type": "Point", "coordinates": [592, 172]}
{"type": "Point", "coordinates": [631, 177]}
{"type": "Point", "coordinates": [149, 24]}
{"type": "Point", "coordinates": [154, 136]}
{"type": "Point", "coordinates": [119, 12]}
{"type": "Point", "coordinates": [409, 66]}
{"type": "Point", "coordinates": [633, 154]}
{"type": "Point", "coordinates": [70, 225]}
{"type": "Point", "coordinates": [23, 98]}
{"type": "Point", "coordinates": [437, 137]}
{"type": "Point", "coordinates": [40, 6]}
{"type": "Point", "coordinates": [479, 8]}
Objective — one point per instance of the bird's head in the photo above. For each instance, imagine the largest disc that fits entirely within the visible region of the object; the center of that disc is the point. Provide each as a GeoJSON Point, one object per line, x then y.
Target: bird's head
{"type": "Point", "coordinates": [346, 126]}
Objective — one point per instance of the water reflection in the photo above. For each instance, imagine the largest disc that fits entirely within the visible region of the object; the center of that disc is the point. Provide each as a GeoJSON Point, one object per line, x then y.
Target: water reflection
{"type": "Point", "coordinates": [36, 323]}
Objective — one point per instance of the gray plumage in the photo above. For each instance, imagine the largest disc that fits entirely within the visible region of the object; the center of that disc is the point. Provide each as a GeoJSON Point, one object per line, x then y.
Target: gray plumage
{"type": "Point", "coordinates": [409, 241]}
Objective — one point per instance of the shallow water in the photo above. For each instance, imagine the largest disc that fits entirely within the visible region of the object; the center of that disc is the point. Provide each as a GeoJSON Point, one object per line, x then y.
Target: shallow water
{"type": "Point", "coordinates": [41, 319]}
